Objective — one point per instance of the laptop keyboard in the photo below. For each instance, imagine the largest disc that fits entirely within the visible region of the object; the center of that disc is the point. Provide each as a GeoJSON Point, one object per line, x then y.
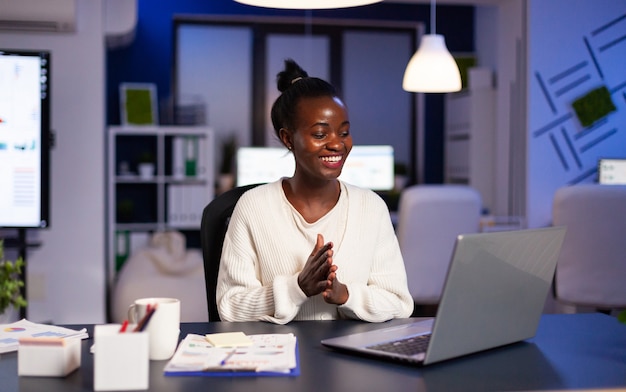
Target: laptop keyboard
{"type": "Point", "coordinates": [409, 346]}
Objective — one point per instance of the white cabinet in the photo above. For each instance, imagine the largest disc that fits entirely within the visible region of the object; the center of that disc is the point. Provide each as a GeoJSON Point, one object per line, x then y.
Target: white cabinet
{"type": "Point", "coordinates": [171, 198]}
{"type": "Point", "coordinates": [470, 134]}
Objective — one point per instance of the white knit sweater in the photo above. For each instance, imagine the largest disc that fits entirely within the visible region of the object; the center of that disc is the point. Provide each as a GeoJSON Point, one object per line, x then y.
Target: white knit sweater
{"type": "Point", "coordinates": [268, 243]}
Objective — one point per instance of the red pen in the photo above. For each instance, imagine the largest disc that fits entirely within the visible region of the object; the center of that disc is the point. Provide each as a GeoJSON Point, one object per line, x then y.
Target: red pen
{"type": "Point", "coordinates": [124, 326]}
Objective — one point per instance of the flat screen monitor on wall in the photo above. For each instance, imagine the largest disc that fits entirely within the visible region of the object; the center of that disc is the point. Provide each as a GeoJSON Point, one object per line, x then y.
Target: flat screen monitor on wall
{"type": "Point", "coordinates": [367, 166]}
{"type": "Point", "coordinates": [612, 171]}
{"type": "Point", "coordinates": [24, 138]}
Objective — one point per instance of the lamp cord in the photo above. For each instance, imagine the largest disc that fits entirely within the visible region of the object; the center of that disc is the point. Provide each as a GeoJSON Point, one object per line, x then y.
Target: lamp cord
{"type": "Point", "coordinates": [433, 17]}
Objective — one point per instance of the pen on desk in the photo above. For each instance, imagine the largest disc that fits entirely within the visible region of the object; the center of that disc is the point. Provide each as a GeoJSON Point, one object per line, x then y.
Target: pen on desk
{"type": "Point", "coordinates": [228, 356]}
{"type": "Point", "coordinates": [124, 326]}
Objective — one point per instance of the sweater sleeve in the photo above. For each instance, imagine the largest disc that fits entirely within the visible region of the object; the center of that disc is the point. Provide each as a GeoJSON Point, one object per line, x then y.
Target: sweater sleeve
{"type": "Point", "coordinates": [241, 293]}
{"type": "Point", "coordinates": [384, 294]}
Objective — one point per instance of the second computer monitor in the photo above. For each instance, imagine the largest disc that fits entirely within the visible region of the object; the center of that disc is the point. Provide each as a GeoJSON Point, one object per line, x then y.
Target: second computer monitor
{"type": "Point", "coordinates": [367, 166]}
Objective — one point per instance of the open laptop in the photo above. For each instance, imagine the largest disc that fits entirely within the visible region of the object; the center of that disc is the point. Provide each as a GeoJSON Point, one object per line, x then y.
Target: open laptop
{"type": "Point", "coordinates": [494, 295]}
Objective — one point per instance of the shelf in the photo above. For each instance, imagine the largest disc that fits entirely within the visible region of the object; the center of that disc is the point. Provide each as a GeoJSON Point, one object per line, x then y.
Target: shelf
{"type": "Point", "coordinates": [469, 141]}
{"type": "Point", "coordinates": [183, 183]}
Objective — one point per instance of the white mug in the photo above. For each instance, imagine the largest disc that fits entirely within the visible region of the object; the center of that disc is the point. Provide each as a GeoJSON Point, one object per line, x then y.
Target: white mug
{"type": "Point", "coordinates": [163, 327]}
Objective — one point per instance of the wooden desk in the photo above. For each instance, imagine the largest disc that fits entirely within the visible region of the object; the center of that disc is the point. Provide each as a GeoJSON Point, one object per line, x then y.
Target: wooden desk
{"type": "Point", "coordinates": [569, 352]}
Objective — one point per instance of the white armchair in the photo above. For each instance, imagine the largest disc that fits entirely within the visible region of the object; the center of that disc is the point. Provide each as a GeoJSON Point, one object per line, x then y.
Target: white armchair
{"type": "Point", "coordinates": [430, 217]}
{"type": "Point", "coordinates": [164, 268]}
{"type": "Point", "coordinates": [591, 271]}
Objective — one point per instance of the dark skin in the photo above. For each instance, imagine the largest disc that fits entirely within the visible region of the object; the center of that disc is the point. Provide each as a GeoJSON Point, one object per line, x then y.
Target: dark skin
{"type": "Point", "coordinates": [320, 142]}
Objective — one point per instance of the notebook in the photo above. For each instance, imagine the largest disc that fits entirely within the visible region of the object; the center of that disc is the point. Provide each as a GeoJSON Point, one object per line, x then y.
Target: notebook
{"type": "Point", "coordinates": [494, 295]}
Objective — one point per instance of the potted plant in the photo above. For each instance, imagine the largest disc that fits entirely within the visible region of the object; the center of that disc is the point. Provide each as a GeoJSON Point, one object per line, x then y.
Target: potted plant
{"type": "Point", "coordinates": [11, 283]}
{"type": "Point", "coordinates": [146, 165]}
{"type": "Point", "coordinates": [125, 210]}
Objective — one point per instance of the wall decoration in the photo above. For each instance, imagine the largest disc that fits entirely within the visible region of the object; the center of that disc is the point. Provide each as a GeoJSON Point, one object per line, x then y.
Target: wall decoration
{"type": "Point", "coordinates": [593, 106]}
{"type": "Point", "coordinates": [138, 104]}
{"type": "Point", "coordinates": [581, 96]}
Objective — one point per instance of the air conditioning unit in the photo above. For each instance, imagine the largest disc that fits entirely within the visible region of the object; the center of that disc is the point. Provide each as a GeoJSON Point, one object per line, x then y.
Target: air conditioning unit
{"type": "Point", "coordinates": [38, 15]}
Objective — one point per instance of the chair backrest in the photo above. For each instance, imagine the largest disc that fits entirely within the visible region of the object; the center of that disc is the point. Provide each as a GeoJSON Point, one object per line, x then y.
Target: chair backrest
{"type": "Point", "coordinates": [591, 270]}
{"type": "Point", "coordinates": [430, 217]}
{"type": "Point", "coordinates": [215, 217]}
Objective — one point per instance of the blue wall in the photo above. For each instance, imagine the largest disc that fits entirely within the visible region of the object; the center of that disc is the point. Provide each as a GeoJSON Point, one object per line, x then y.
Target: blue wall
{"type": "Point", "coordinates": [149, 57]}
{"type": "Point", "coordinates": [572, 54]}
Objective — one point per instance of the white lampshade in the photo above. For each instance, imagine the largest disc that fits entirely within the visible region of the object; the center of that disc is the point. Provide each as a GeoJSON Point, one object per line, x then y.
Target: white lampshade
{"type": "Point", "coordinates": [432, 68]}
{"type": "Point", "coordinates": [307, 4]}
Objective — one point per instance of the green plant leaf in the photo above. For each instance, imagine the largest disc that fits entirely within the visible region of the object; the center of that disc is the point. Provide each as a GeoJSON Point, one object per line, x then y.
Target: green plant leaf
{"type": "Point", "coordinates": [11, 282]}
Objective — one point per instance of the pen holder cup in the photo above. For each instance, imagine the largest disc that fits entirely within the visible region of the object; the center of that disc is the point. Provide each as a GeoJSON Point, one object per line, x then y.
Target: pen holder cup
{"type": "Point", "coordinates": [121, 360]}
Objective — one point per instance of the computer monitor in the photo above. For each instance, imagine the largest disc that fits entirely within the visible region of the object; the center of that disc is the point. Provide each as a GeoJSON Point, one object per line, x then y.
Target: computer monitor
{"type": "Point", "coordinates": [367, 166]}
{"type": "Point", "coordinates": [256, 165]}
{"type": "Point", "coordinates": [24, 138]}
{"type": "Point", "coordinates": [370, 167]}
{"type": "Point", "coordinates": [612, 171]}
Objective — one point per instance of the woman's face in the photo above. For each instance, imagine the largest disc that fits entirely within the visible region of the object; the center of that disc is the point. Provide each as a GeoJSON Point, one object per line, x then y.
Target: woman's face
{"type": "Point", "coordinates": [321, 140]}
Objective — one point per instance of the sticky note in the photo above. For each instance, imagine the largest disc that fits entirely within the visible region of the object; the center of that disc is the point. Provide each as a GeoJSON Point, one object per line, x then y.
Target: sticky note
{"type": "Point", "coordinates": [229, 339]}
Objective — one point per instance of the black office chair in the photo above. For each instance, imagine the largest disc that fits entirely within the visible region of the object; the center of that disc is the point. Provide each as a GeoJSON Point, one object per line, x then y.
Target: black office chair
{"type": "Point", "coordinates": [215, 218]}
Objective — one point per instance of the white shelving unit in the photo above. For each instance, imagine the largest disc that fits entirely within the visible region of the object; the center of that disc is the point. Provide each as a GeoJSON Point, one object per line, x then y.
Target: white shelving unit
{"type": "Point", "coordinates": [182, 184]}
{"type": "Point", "coordinates": [470, 134]}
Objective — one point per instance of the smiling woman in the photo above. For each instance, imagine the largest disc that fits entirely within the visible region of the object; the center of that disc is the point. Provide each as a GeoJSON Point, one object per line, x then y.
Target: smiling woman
{"type": "Point", "coordinates": [301, 247]}
{"type": "Point", "coordinates": [320, 140]}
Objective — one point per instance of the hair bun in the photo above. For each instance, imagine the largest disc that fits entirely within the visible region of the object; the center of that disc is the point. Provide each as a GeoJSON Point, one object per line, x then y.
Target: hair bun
{"type": "Point", "coordinates": [291, 74]}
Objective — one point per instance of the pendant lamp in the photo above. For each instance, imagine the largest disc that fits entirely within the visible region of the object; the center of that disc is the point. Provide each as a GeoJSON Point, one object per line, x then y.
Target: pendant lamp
{"type": "Point", "coordinates": [307, 4]}
{"type": "Point", "coordinates": [432, 68]}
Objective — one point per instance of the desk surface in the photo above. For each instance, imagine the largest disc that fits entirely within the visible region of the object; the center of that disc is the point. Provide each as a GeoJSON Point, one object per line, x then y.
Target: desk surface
{"type": "Point", "coordinates": [579, 351]}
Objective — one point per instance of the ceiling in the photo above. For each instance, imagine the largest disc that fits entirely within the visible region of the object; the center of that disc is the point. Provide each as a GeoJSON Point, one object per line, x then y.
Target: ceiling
{"type": "Point", "coordinates": [450, 2]}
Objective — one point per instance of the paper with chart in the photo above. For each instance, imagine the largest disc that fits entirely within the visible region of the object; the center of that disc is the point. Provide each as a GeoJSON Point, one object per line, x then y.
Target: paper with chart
{"type": "Point", "coordinates": [11, 333]}
{"type": "Point", "coordinates": [274, 353]}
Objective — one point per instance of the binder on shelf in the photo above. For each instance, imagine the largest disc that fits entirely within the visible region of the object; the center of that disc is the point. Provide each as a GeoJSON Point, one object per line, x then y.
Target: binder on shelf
{"type": "Point", "coordinates": [199, 199]}
{"type": "Point", "coordinates": [184, 210]}
{"type": "Point", "coordinates": [178, 157]}
{"type": "Point", "coordinates": [185, 204]}
{"type": "Point", "coordinates": [191, 191]}
{"type": "Point", "coordinates": [174, 205]}
{"type": "Point", "coordinates": [201, 170]}
{"type": "Point", "coordinates": [191, 156]}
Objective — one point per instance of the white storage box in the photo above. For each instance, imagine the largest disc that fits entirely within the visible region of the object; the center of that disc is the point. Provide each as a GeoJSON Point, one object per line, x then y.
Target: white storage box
{"type": "Point", "coordinates": [48, 357]}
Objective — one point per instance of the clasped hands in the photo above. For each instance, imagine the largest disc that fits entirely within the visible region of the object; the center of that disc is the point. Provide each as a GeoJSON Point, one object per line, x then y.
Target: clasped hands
{"type": "Point", "coordinates": [319, 275]}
